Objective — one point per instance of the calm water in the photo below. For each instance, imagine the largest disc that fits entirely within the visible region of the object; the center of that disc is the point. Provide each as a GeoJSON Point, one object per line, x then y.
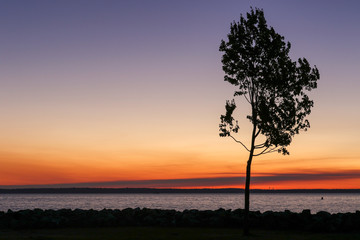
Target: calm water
{"type": "Point", "coordinates": [332, 203]}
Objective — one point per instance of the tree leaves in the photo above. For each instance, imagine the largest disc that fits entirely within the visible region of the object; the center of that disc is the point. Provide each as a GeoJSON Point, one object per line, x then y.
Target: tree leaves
{"type": "Point", "coordinates": [228, 124]}
{"type": "Point", "coordinates": [256, 61]}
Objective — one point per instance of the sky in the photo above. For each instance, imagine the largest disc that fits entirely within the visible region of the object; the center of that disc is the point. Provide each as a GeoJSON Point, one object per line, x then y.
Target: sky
{"type": "Point", "coordinates": [130, 93]}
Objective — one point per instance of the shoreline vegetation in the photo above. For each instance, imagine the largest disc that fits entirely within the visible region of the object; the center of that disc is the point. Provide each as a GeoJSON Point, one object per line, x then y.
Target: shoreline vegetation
{"type": "Point", "coordinates": [163, 190]}
{"type": "Point", "coordinates": [321, 222]}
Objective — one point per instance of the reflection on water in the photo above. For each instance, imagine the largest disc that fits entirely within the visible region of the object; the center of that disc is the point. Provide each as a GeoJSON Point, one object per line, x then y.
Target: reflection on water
{"type": "Point", "coordinates": [332, 203]}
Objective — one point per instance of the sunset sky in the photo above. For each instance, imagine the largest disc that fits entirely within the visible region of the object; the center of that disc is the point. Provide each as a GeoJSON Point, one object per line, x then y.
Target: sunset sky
{"type": "Point", "coordinates": [130, 93]}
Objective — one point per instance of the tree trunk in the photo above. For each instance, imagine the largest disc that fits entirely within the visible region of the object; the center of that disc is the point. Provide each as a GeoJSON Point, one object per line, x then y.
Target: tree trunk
{"type": "Point", "coordinates": [248, 174]}
{"type": "Point", "coordinates": [247, 195]}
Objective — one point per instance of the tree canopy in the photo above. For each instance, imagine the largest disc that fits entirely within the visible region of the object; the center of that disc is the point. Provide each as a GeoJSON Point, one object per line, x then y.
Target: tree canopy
{"type": "Point", "coordinates": [256, 60]}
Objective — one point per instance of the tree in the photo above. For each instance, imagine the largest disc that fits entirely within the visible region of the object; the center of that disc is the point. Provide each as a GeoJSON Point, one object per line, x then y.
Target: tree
{"type": "Point", "coordinates": [256, 61]}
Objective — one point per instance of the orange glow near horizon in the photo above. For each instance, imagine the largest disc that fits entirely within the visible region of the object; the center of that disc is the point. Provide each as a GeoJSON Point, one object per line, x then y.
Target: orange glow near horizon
{"type": "Point", "coordinates": [155, 169]}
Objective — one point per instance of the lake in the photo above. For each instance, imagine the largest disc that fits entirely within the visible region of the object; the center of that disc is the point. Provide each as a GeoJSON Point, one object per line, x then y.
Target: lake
{"type": "Point", "coordinates": [296, 202]}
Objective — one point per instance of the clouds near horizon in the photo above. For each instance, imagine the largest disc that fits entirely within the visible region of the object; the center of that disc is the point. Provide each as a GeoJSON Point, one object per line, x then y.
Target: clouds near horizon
{"type": "Point", "coordinates": [300, 180]}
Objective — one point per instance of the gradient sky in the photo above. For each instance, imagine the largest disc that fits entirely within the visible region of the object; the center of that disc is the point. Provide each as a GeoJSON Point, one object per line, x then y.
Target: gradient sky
{"type": "Point", "coordinates": [129, 94]}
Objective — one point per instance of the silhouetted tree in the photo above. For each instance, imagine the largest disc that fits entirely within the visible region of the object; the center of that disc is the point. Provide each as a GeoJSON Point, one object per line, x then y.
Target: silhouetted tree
{"type": "Point", "coordinates": [256, 61]}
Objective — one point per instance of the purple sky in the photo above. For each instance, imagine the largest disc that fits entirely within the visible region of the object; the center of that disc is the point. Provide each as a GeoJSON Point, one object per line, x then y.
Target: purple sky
{"type": "Point", "coordinates": [133, 76]}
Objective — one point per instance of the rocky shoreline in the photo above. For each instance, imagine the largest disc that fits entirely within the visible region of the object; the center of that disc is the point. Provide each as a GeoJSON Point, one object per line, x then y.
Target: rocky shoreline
{"type": "Point", "coordinates": [65, 218]}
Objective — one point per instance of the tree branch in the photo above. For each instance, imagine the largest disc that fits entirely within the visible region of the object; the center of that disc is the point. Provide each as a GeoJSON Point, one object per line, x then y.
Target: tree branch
{"type": "Point", "coordinates": [265, 152]}
{"type": "Point", "coordinates": [271, 151]}
{"type": "Point", "coordinates": [257, 133]}
{"type": "Point", "coordinates": [247, 99]}
{"type": "Point", "coordinates": [255, 155]}
{"type": "Point", "coordinates": [260, 146]}
{"type": "Point", "coordinates": [240, 143]}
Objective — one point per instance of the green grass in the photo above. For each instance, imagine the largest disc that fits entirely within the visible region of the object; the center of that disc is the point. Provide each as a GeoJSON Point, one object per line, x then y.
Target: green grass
{"type": "Point", "coordinates": [157, 233]}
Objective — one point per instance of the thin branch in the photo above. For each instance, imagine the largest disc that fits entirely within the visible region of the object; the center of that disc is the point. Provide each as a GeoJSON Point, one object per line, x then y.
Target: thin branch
{"type": "Point", "coordinates": [255, 155]}
{"type": "Point", "coordinates": [247, 99]}
{"type": "Point", "coordinates": [260, 146]}
{"type": "Point", "coordinates": [271, 151]}
{"type": "Point", "coordinates": [265, 152]}
{"type": "Point", "coordinates": [240, 143]}
{"type": "Point", "coordinates": [257, 133]}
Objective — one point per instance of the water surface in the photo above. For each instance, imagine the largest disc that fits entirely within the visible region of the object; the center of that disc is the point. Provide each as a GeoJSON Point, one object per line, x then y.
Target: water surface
{"type": "Point", "coordinates": [296, 202]}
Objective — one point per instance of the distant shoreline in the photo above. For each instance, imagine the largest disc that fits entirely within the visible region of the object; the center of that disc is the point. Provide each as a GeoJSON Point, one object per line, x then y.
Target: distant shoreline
{"type": "Point", "coordinates": [159, 191]}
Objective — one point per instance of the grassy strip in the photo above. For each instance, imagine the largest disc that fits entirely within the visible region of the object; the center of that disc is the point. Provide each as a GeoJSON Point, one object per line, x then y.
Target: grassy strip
{"type": "Point", "coordinates": [158, 233]}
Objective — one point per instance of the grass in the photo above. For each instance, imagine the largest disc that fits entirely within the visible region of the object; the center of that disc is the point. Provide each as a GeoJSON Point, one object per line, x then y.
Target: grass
{"type": "Point", "coordinates": [157, 233]}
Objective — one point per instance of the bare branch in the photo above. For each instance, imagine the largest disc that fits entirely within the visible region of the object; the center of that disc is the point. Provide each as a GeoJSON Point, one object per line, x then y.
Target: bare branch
{"type": "Point", "coordinates": [257, 133]}
{"type": "Point", "coordinates": [240, 143]}
{"type": "Point", "coordinates": [247, 99]}
{"type": "Point", "coordinates": [265, 151]}
{"type": "Point", "coordinates": [271, 151]}
{"type": "Point", "coordinates": [260, 146]}
{"type": "Point", "coordinates": [255, 155]}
